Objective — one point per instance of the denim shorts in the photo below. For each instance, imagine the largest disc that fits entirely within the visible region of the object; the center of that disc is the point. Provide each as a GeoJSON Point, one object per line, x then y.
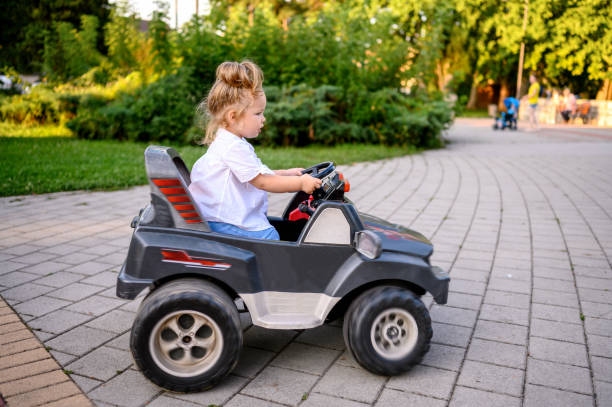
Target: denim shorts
{"type": "Point", "coordinates": [228, 229]}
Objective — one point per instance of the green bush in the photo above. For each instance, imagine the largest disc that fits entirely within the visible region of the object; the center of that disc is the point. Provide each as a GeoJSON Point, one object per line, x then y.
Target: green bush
{"type": "Point", "coordinates": [162, 110]}
{"type": "Point", "coordinates": [41, 106]}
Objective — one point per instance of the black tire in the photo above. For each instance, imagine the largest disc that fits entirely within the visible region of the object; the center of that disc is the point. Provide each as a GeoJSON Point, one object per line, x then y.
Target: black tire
{"type": "Point", "coordinates": [387, 315]}
{"type": "Point", "coordinates": [172, 323]}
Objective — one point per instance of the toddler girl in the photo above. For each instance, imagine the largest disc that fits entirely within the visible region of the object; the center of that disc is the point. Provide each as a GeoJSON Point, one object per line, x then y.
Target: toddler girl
{"type": "Point", "coordinates": [229, 182]}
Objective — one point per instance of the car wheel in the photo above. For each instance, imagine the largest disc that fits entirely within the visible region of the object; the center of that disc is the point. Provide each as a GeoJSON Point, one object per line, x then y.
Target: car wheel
{"type": "Point", "coordinates": [186, 336]}
{"type": "Point", "coordinates": [387, 330]}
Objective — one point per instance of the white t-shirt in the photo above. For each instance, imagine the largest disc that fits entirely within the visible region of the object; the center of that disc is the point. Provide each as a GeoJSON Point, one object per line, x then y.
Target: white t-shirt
{"type": "Point", "coordinates": [220, 183]}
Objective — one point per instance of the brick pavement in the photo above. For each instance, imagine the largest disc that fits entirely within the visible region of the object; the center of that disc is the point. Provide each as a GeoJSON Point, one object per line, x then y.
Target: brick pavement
{"type": "Point", "coordinates": [522, 220]}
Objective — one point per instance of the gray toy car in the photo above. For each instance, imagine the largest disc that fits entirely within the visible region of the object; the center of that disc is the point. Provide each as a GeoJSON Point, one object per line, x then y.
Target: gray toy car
{"type": "Point", "coordinates": [331, 262]}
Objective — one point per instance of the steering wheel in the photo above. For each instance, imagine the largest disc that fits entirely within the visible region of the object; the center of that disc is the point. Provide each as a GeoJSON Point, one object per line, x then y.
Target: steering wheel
{"type": "Point", "coordinates": [320, 170]}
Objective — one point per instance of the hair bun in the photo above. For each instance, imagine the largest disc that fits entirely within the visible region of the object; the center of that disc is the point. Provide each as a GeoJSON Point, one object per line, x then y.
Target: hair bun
{"type": "Point", "coordinates": [245, 75]}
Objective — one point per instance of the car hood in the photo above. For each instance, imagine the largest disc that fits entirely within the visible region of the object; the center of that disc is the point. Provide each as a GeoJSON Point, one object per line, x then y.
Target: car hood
{"type": "Point", "coordinates": [397, 238]}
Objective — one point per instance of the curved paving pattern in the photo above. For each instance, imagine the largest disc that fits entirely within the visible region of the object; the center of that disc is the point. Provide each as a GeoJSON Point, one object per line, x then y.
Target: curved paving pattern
{"type": "Point", "coordinates": [522, 220]}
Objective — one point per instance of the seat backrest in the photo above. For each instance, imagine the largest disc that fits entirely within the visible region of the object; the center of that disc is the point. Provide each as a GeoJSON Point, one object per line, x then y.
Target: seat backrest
{"type": "Point", "coordinates": [169, 180]}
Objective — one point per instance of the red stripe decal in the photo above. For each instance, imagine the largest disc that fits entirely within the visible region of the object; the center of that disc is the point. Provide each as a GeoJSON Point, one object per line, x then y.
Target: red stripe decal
{"type": "Point", "coordinates": [173, 191]}
{"type": "Point", "coordinates": [180, 256]}
{"type": "Point", "coordinates": [170, 182]}
{"type": "Point", "coordinates": [179, 199]}
{"type": "Point", "coordinates": [184, 207]}
{"type": "Point", "coordinates": [189, 214]}
{"type": "Point", "coordinates": [193, 221]}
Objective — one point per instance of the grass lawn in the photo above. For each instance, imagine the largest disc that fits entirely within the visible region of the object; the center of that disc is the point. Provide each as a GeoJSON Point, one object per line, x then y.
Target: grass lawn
{"type": "Point", "coordinates": [36, 163]}
{"type": "Point", "coordinates": [475, 113]}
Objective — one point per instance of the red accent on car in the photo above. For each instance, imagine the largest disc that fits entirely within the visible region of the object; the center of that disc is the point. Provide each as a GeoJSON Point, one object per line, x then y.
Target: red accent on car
{"type": "Point", "coordinates": [189, 214]}
{"type": "Point", "coordinates": [183, 198]}
{"type": "Point", "coordinates": [193, 220]}
{"type": "Point", "coordinates": [173, 191]}
{"type": "Point", "coordinates": [182, 257]}
{"type": "Point", "coordinates": [169, 182]}
{"type": "Point", "coordinates": [184, 207]}
{"type": "Point", "coordinates": [347, 185]}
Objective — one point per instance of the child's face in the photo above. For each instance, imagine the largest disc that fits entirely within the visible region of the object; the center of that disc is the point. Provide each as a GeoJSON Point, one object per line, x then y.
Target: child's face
{"type": "Point", "coordinates": [251, 122]}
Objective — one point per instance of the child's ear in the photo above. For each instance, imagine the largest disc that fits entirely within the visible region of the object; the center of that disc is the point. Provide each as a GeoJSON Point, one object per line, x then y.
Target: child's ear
{"type": "Point", "coordinates": [230, 116]}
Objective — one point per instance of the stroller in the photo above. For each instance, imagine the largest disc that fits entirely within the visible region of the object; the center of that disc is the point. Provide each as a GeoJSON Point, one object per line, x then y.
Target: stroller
{"type": "Point", "coordinates": [508, 119]}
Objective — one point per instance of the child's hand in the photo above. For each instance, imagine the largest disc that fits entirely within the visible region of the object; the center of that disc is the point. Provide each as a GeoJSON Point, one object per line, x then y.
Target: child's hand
{"type": "Point", "coordinates": [309, 184]}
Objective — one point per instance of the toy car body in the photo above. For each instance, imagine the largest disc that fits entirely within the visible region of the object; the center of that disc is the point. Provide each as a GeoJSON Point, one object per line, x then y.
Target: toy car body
{"type": "Point", "coordinates": [330, 262]}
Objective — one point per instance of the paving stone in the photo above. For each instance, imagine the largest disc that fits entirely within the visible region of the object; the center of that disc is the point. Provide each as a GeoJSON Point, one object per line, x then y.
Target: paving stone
{"type": "Point", "coordinates": [556, 351]}
{"type": "Point", "coordinates": [102, 363]}
{"type": "Point", "coordinates": [597, 310]}
{"type": "Point", "coordinates": [497, 353]}
{"type": "Point", "coordinates": [8, 266]}
{"type": "Point", "coordinates": [555, 313]}
{"type": "Point", "coordinates": [600, 345]}
{"type": "Point", "coordinates": [45, 268]}
{"type": "Point", "coordinates": [510, 284]}
{"type": "Point", "coordinates": [244, 401]}
{"type": "Point", "coordinates": [59, 279]}
{"type": "Point", "coordinates": [492, 378]}
{"type": "Point", "coordinates": [559, 376]}
{"type": "Point", "coordinates": [451, 334]}
{"type": "Point", "coordinates": [16, 278]}
{"type": "Point", "coordinates": [602, 368]}
{"type": "Point", "coordinates": [26, 291]}
{"type": "Point", "coordinates": [503, 314]}
{"type": "Point", "coordinates": [349, 383]}
{"type": "Point", "coordinates": [325, 336]}
{"type": "Point", "coordinates": [218, 395]}
{"type": "Point", "coordinates": [89, 268]}
{"type": "Point", "coordinates": [596, 283]}
{"type": "Point", "coordinates": [450, 315]}
{"type": "Point", "coordinates": [501, 332]}
{"type": "Point", "coordinates": [425, 380]}
{"type": "Point", "coordinates": [45, 395]}
{"type": "Point", "coordinates": [76, 258]}
{"type": "Point", "coordinates": [33, 258]}
{"type": "Point", "coordinates": [95, 305]}
{"type": "Point", "coordinates": [468, 274]}
{"type": "Point", "coordinates": [115, 321]}
{"type": "Point", "coordinates": [62, 249]}
{"type": "Point", "coordinates": [120, 342]}
{"type": "Point", "coordinates": [268, 339]}
{"type": "Point", "coordinates": [40, 306]}
{"type": "Point", "coordinates": [21, 358]}
{"type": "Point", "coordinates": [538, 396]}
{"type": "Point", "coordinates": [555, 298]}
{"type": "Point", "coordinates": [468, 301]}
{"type": "Point", "coordinates": [58, 321]}
{"type": "Point", "coordinates": [62, 358]}
{"type": "Point", "coordinates": [466, 286]}
{"type": "Point", "coordinates": [305, 358]}
{"type": "Point", "coordinates": [467, 397]}
{"type": "Point", "coordinates": [79, 341]}
{"type": "Point", "coordinates": [85, 383]}
{"type": "Point", "coordinates": [551, 272]}
{"type": "Point", "coordinates": [317, 400]}
{"type": "Point", "coordinates": [252, 361]}
{"type": "Point", "coordinates": [128, 389]}
{"type": "Point", "coordinates": [604, 393]}
{"type": "Point", "coordinates": [507, 299]}
{"type": "Point", "coordinates": [557, 330]}
{"type": "Point", "coordinates": [165, 401]}
{"type": "Point", "coordinates": [75, 291]}
{"type": "Point", "coordinates": [394, 398]}
{"type": "Point", "coordinates": [444, 357]}
{"type": "Point", "coordinates": [554, 284]}
{"type": "Point", "coordinates": [603, 296]}
{"type": "Point", "coordinates": [104, 279]}
{"type": "Point", "coordinates": [280, 385]}
{"type": "Point", "coordinates": [32, 383]}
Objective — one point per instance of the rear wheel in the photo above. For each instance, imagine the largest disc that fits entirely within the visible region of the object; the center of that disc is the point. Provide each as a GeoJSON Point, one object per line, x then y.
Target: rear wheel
{"type": "Point", "coordinates": [186, 336]}
{"type": "Point", "coordinates": [387, 330]}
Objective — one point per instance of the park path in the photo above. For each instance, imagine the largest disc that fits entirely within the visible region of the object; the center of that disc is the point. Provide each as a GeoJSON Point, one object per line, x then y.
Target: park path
{"type": "Point", "coordinates": [523, 221]}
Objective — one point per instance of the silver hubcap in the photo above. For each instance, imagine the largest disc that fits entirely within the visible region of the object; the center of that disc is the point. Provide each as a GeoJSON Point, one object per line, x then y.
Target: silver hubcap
{"type": "Point", "coordinates": [394, 333]}
{"type": "Point", "coordinates": [186, 343]}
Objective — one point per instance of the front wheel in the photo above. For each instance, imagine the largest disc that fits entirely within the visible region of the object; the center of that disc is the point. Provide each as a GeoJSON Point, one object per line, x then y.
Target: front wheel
{"type": "Point", "coordinates": [186, 336]}
{"type": "Point", "coordinates": [387, 330]}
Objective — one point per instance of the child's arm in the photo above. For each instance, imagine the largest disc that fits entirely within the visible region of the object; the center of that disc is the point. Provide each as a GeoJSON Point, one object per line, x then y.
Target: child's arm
{"type": "Point", "coordinates": [290, 183]}
{"type": "Point", "coordinates": [290, 171]}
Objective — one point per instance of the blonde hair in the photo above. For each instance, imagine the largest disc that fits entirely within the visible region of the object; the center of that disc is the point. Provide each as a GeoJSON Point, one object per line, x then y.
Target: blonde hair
{"type": "Point", "coordinates": [236, 86]}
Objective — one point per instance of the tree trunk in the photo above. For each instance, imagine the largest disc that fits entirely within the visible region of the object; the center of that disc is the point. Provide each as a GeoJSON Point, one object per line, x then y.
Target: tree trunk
{"type": "Point", "coordinates": [471, 104]}
{"type": "Point", "coordinates": [504, 92]}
